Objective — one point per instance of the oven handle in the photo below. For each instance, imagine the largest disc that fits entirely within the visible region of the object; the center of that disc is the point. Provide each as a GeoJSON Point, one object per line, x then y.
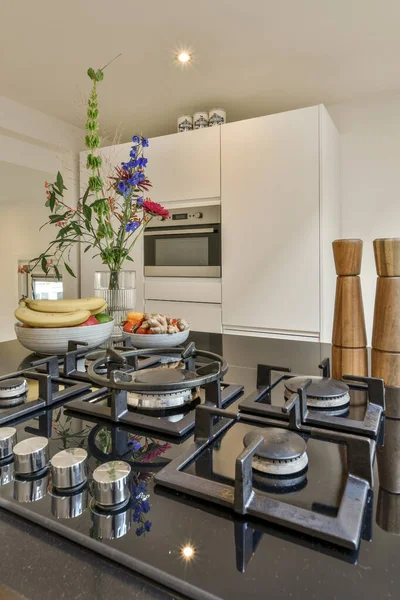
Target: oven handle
{"type": "Point", "coordinates": [181, 231]}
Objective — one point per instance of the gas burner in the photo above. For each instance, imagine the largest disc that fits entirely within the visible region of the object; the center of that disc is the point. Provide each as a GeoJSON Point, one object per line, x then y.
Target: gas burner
{"type": "Point", "coordinates": [274, 461]}
{"type": "Point", "coordinates": [324, 393]}
{"type": "Point", "coordinates": [355, 405]}
{"type": "Point", "coordinates": [282, 454]}
{"type": "Point", "coordinates": [160, 401]}
{"type": "Point", "coordinates": [13, 392]}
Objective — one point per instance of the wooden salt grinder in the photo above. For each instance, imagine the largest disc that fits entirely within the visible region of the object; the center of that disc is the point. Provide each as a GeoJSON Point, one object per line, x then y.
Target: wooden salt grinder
{"type": "Point", "coordinates": [386, 331]}
{"type": "Point", "coordinates": [349, 338]}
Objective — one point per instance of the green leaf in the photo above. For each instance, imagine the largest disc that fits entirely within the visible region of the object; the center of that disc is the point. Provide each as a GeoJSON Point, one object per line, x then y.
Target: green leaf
{"type": "Point", "coordinates": [69, 270]}
{"type": "Point", "coordinates": [87, 211]}
{"type": "Point", "coordinates": [52, 201]}
{"type": "Point", "coordinates": [129, 258]}
{"type": "Point", "coordinates": [87, 248]}
{"type": "Point", "coordinates": [87, 225]}
{"type": "Point", "coordinates": [99, 76]}
{"type": "Point", "coordinates": [60, 183]}
{"type": "Point", "coordinates": [91, 73]}
{"type": "Point", "coordinates": [85, 196]}
{"type": "Point", "coordinates": [43, 263]}
{"type": "Point", "coordinates": [76, 228]}
{"type": "Point", "coordinates": [57, 417]}
{"type": "Point", "coordinates": [47, 203]}
{"type": "Point", "coordinates": [57, 272]}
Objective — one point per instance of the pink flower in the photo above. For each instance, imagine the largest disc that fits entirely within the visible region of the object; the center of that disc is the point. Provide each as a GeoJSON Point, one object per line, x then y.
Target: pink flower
{"type": "Point", "coordinates": [155, 209]}
{"type": "Point", "coordinates": [23, 269]}
{"type": "Point", "coordinates": [60, 223]}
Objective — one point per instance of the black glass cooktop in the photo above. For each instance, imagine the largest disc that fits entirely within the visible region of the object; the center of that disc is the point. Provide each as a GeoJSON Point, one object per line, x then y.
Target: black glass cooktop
{"type": "Point", "coordinates": [202, 550]}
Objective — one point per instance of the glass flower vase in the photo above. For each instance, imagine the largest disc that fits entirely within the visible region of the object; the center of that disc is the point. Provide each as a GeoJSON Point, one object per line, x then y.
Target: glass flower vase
{"type": "Point", "coordinates": [118, 288]}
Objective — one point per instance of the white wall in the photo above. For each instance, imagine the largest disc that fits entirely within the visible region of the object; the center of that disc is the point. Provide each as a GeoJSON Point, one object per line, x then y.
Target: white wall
{"type": "Point", "coordinates": [33, 147]}
{"type": "Point", "coordinates": [370, 178]}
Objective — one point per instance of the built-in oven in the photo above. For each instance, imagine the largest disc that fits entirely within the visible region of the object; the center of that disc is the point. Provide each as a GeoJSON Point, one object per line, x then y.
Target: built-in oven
{"type": "Point", "coordinates": [186, 245]}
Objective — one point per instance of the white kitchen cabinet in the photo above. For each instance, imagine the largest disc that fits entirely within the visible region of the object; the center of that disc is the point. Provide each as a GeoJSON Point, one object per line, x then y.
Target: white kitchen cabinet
{"type": "Point", "coordinates": [201, 316]}
{"type": "Point", "coordinates": [280, 213]}
{"type": "Point", "coordinates": [184, 167]}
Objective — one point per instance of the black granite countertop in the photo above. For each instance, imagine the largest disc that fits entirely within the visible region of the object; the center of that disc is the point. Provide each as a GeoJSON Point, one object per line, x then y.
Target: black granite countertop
{"type": "Point", "coordinates": [38, 564]}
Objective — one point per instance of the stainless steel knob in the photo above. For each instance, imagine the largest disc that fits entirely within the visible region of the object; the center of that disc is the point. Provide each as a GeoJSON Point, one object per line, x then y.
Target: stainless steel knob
{"type": "Point", "coordinates": [30, 490]}
{"type": "Point", "coordinates": [8, 439]}
{"type": "Point", "coordinates": [111, 526]}
{"type": "Point", "coordinates": [69, 506]}
{"type": "Point", "coordinates": [111, 483]}
{"type": "Point", "coordinates": [6, 473]}
{"type": "Point", "coordinates": [69, 468]}
{"type": "Point", "coordinates": [31, 455]}
{"type": "Point", "coordinates": [198, 215]}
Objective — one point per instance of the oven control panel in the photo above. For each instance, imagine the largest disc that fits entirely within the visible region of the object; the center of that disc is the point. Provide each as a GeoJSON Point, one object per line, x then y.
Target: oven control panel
{"type": "Point", "coordinates": [203, 215]}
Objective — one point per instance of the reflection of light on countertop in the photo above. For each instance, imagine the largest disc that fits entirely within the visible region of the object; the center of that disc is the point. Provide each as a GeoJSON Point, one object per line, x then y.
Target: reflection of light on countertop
{"type": "Point", "coordinates": [187, 552]}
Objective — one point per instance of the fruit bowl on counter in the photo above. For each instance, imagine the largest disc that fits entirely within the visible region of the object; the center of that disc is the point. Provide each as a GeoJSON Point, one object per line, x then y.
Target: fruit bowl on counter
{"type": "Point", "coordinates": [155, 330]}
{"type": "Point", "coordinates": [46, 326]}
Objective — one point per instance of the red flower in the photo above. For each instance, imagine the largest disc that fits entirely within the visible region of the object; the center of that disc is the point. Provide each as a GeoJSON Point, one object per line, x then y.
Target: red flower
{"type": "Point", "coordinates": [155, 209]}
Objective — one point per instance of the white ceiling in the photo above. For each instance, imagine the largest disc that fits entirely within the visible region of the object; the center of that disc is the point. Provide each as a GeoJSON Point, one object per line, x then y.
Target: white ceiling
{"type": "Point", "coordinates": [252, 57]}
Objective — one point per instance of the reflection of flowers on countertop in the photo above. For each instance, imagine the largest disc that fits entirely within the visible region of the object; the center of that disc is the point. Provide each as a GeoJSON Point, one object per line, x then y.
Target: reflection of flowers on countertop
{"type": "Point", "coordinates": [149, 449]}
{"type": "Point", "coordinates": [140, 503]}
{"type": "Point", "coordinates": [62, 428]}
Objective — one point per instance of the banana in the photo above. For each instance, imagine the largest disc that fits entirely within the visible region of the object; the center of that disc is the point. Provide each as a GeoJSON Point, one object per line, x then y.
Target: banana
{"type": "Point", "coordinates": [96, 311]}
{"type": "Point", "coordinates": [65, 306]}
{"type": "Point", "coordinates": [45, 319]}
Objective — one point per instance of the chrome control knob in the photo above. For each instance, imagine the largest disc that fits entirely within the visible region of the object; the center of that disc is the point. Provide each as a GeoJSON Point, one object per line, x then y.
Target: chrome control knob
{"type": "Point", "coordinates": [32, 489]}
{"type": "Point", "coordinates": [31, 455]}
{"type": "Point", "coordinates": [198, 215]}
{"type": "Point", "coordinates": [8, 439]}
{"type": "Point", "coordinates": [69, 468]}
{"type": "Point", "coordinates": [6, 473]}
{"type": "Point", "coordinates": [111, 484]}
{"type": "Point", "coordinates": [69, 506]}
{"type": "Point", "coordinates": [111, 526]}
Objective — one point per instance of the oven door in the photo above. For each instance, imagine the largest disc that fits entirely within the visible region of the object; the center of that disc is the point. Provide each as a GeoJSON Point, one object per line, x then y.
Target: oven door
{"type": "Point", "coordinates": [183, 251]}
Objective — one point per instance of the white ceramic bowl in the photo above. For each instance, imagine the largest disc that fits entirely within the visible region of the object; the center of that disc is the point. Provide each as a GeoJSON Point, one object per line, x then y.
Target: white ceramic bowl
{"type": "Point", "coordinates": [159, 340]}
{"type": "Point", "coordinates": [54, 340]}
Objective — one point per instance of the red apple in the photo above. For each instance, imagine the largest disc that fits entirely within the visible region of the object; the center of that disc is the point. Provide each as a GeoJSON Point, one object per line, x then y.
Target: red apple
{"type": "Point", "coordinates": [89, 321]}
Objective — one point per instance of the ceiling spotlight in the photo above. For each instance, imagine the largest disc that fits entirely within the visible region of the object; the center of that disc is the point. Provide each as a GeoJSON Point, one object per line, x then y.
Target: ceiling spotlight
{"type": "Point", "coordinates": [184, 57]}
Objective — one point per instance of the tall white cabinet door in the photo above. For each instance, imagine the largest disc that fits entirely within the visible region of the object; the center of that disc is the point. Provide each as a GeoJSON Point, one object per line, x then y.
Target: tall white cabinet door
{"type": "Point", "coordinates": [185, 166]}
{"type": "Point", "coordinates": [270, 223]}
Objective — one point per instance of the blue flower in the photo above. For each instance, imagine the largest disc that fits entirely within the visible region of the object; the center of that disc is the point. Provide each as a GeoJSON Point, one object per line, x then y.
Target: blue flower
{"type": "Point", "coordinates": [135, 444]}
{"type": "Point", "coordinates": [136, 139]}
{"type": "Point", "coordinates": [132, 227]}
{"type": "Point", "coordinates": [125, 166]}
{"type": "Point", "coordinates": [141, 177]}
{"type": "Point", "coordinates": [147, 525]}
{"type": "Point", "coordinates": [142, 486]}
{"type": "Point", "coordinates": [139, 201]}
{"type": "Point", "coordinates": [122, 187]}
{"type": "Point", "coordinates": [140, 530]}
{"type": "Point", "coordinates": [141, 161]}
{"type": "Point", "coordinates": [145, 506]}
{"type": "Point", "coordinates": [132, 153]}
{"type": "Point", "coordinates": [145, 142]}
{"type": "Point", "coordinates": [136, 516]}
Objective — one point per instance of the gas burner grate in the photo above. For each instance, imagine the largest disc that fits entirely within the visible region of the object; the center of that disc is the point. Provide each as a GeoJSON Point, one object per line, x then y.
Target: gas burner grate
{"type": "Point", "coordinates": [74, 363]}
{"type": "Point", "coordinates": [40, 391]}
{"type": "Point", "coordinates": [344, 527]}
{"type": "Point", "coordinates": [334, 414]}
{"type": "Point", "coordinates": [112, 403]}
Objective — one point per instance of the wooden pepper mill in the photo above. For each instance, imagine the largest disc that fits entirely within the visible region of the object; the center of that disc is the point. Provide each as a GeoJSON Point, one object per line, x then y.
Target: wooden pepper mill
{"type": "Point", "coordinates": [386, 331]}
{"type": "Point", "coordinates": [349, 338]}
